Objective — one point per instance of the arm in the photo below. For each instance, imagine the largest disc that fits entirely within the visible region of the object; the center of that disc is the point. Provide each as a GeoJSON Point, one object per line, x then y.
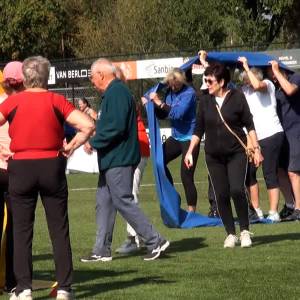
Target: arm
{"type": "Point", "coordinates": [289, 88]}
{"type": "Point", "coordinates": [202, 57]}
{"type": "Point", "coordinates": [257, 84]}
{"type": "Point", "coordinates": [188, 159]}
{"type": "Point", "coordinates": [2, 119]}
{"type": "Point", "coordinates": [161, 108]}
{"type": "Point", "coordinates": [258, 158]}
{"type": "Point", "coordinates": [85, 127]}
{"type": "Point", "coordinates": [93, 115]}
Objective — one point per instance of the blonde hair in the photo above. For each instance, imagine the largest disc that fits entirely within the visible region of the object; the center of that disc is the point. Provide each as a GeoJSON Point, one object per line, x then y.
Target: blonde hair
{"type": "Point", "coordinates": [175, 74]}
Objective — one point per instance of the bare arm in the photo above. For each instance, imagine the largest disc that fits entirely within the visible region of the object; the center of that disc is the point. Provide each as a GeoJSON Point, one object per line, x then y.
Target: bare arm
{"type": "Point", "coordinates": [188, 160]}
{"type": "Point", "coordinates": [85, 127]}
{"type": "Point", "coordinates": [289, 88]}
{"type": "Point", "coordinates": [258, 158]}
{"type": "Point", "coordinates": [257, 84]}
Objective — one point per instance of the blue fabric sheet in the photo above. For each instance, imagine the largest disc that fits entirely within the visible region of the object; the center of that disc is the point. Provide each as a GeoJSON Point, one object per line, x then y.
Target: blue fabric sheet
{"type": "Point", "coordinates": [172, 215]}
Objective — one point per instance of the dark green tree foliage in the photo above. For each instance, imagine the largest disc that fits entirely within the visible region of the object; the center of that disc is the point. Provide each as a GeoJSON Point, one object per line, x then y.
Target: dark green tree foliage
{"type": "Point", "coordinates": [30, 27]}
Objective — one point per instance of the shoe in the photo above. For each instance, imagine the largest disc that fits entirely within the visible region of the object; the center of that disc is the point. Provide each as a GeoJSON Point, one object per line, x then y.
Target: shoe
{"type": "Point", "coordinates": [273, 217]}
{"type": "Point", "coordinates": [295, 216]}
{"type": "Point", "coordinates": [94, 258]}
{"type": "Point", "coordinates": [24, 295]}
{"type": "Point", "coordinates": [155, 253]}
{"type": "Point", "coordinates": [230, 241]}
{"type": "Point", "coordinates": [259, 213]}
{"type": "Point", "coordinates": [252, 215]}
{"type": "Point", "coordinates": [128, 247]}
{"type": "Point", "coordinates": [285, 212]}
{"type": "Point", "coordinates": [213, 213]}
{"type": "Point", "coordinates": [64, 295]}
{"type": "Point", "coordinates": [246, 239]}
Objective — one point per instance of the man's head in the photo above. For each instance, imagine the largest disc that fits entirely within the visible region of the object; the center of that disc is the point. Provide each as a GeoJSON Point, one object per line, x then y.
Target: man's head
{"type": "Point", "coordinates": [102, 73]}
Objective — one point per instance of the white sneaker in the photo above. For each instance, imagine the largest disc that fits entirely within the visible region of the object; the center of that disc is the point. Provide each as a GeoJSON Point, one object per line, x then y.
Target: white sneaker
{"type": "Point", "coordinates": [259, 213]}
{"type": "Point", "coordinates": [24, 295]}
{"type": "Point", "coordinates": [230, 241]}
{"type": "Point", "coordinates": [127, 247]}
{"type": "Point", "coordinates": [64, 295]}
{"type": "Point", "coordinates": [273, 216]}
{"type": "Point", "coordinates": [245, 239]}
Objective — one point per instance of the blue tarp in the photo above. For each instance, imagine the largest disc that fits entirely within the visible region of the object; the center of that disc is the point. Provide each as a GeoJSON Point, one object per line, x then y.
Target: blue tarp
{"type": "Point", "coordinates": [171, 213]}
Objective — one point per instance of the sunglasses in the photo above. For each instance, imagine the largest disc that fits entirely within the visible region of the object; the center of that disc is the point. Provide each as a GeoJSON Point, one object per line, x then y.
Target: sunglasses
{"type": "Point", "coordinates": [209, 81]}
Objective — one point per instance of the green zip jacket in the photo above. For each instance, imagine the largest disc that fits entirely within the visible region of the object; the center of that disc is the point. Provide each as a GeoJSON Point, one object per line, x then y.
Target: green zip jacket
{"type": "Point", "coordinates": [116, 138]}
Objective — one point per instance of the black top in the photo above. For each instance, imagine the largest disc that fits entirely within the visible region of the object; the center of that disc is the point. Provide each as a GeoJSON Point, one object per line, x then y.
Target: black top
{"type": "Point", "coordinates": [236, 113]}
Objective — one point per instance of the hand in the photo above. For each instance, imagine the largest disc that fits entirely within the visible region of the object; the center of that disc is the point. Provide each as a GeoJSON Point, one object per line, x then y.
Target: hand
{"type": "Point", "coordinates": [154, 98]}
{"type": "Point", "coordinates": [88, 148]}
{"type": "Point", "coordinates": [188, 160]}
{"type": "Point", "coordinates": [144, 100]}
{"type": "Point", "coordinates": [202, 57]}
{"type": "Point", "coordinates": [243, 60]}
{"type": "Point", "coordinates": [67, 150]}
{"type": "Point", "coordinates": [258, 158]}
{"type": "Point", "coordinates": [275, 66]}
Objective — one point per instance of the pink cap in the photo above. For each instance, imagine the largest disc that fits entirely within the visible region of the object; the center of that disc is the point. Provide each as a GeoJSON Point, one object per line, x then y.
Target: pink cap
{"type": "Point", "coordinates": [13, 70]}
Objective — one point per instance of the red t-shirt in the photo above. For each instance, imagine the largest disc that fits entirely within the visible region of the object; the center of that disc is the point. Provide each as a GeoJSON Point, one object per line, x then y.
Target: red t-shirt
{"type": "Point", "coordinates": [36, 123]}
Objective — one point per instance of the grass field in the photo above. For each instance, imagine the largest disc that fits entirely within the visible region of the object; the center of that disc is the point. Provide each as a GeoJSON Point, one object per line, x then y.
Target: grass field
{"type": "Point", "coordinates": [195, 267]}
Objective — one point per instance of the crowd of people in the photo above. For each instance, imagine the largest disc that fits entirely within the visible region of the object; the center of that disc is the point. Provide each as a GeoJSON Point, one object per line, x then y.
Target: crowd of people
{"type": "Point", "coordinates": [244, 127]}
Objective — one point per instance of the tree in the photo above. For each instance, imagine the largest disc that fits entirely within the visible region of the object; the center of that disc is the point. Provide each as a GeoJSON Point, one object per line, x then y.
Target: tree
{"type": "Point", "coordinates": [31, 27]}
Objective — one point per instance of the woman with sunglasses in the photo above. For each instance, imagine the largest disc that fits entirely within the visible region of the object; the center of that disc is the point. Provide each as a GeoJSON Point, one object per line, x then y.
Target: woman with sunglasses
{"type": "Point", "coordinates": [225, 157]}
{"type": "Point", "coordinates": [180, 108]}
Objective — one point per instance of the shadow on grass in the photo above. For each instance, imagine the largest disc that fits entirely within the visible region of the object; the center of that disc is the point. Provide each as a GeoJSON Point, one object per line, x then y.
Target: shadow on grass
{"type": "Point", "coordinates": [268, 239]}
{"type": "Point", "coordinates": [39, 257]}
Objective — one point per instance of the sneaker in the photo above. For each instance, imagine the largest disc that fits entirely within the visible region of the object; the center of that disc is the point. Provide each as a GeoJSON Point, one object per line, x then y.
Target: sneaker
{"type": "Point", "coordinates": [273, 217]}
{"type": "Point", "coordinates": [155, 253]}
{"type": "Point", "coordinates": [230, 241]}
{"type": "Point", "coordinates": [285, 212]}
{"type": "Point", "coordinates": [252, 215]}
{"type": "Point", "coordinates": [24, 295]}
{"type": "Point", "coordinates": [246, 239]}
{"type": "Point", "coordinates": [295, 216]}
{"type": "Point", "coordinates": [64, 295]}
{"type": "Point", "coordinates": [259, 213]}
{"type": "Point", "coordinates": [128, 247]}
{"type": "Point", "coordinates": [94, 258]}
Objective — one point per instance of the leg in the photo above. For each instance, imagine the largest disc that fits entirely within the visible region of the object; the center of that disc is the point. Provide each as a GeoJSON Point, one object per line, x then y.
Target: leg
{"type": "Point", "coordinates": [187, 176]}
{"type": "Point", "coordinates": [23, 195]}
{"type": "Point", "coordinates": [218, 175]}
{"type": "Point", "coordinates": [54, 195]}
{"type": "Point", "coordinates": [295, 182]}
{"type": "Point", "coordinates": [119, 181]}
{"type": "Point", "coordinates": [171, 150]}
{"type": "Point", "coordinates": [105, 218]}
{"type": "Point", "coordinates": [237, 168]}
{"type": "Point", "coordinates": [286, 188]}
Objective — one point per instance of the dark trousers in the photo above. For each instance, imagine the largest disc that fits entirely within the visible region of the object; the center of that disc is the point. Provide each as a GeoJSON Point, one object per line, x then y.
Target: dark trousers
{"type": "Point", "coordinates": [227, 174]}
{"type": "Point", "coordinates": [27, 180]}
{"type": "Point", "coordinates": [10, 281]}
{"type": "Point", "coordinates": [172, 149]}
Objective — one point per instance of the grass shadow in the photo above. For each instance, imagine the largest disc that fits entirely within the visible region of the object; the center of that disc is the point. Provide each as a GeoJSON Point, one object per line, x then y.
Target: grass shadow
{"type": "Point", "coordinates": [268, 239]}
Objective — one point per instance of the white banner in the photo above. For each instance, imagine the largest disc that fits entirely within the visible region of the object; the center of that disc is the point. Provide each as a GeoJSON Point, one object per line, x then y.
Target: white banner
{"type": "Point", "coordinates": [157, 68]}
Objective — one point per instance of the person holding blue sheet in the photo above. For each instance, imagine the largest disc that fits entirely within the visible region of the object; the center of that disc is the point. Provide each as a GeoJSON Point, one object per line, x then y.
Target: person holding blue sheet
{"type": "Point", "coordinates": [288, 108]}
{"type": "Point", "coordinates": [225, 157]}
{"type": "Point", "coordinates": [179, 107]}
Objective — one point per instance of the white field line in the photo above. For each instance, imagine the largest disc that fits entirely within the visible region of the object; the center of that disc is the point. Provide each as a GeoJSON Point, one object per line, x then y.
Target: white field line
{"type": "Point", "coordinates": [145, 185]}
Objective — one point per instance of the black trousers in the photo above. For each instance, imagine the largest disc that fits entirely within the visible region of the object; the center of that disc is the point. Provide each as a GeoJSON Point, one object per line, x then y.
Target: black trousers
{"type": "Point", "coordinates": [27, 180]}
{"type": "Point", "coordinates": [227, 174]}
{"type": "Point", "coordinates": [10, 281]}
{"type": "Point", "coordinates": [172, 149]}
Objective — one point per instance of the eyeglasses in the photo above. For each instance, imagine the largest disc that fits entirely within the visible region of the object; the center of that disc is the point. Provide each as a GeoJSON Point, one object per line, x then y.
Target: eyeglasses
{"type": "Point", "coordinates": [209, 81]}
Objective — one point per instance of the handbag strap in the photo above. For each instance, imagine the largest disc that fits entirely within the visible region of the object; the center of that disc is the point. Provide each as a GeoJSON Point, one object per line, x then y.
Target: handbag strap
{"type": "Point", "coordinates": [229, 129]}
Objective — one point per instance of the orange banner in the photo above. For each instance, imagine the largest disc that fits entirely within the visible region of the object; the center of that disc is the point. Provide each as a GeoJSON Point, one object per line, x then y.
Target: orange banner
{"type": "Point", "coordinates": [128, 68]}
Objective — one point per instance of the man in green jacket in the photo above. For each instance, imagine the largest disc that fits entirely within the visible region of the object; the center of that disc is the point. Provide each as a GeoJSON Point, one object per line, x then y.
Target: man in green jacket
{"type": "Point", "coordinates": [118, 152]}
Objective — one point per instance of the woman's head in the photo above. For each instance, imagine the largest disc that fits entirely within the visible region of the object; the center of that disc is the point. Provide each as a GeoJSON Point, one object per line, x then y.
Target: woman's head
{"type": "Point", "coordinates": [175, 79]}
{"type": "Point", "coordinates": [36, 72]}
{"type": "Point", "coordinates": [217, 77]}
{"type": "Point", "coordinates": [12, 77]}
{"type": "Point", "coordinates": [257, 73]}
{"type": "Point", "coordinates": [83, 104]}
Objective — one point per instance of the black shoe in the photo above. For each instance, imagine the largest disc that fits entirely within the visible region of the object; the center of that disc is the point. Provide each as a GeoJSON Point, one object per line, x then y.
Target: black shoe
{"type": "Point", "coordinates": [95, 258]}
{"type": "Point", "coordinates": [285, 212]}
{"type": "Point", "coordinates": [155, 253]}
{"type": "Point", "coordinates": [295, 216]}
{"type": "Point", "coordinates": [252, 215]}
{"type": "Point", "coordinates": [213, 213]}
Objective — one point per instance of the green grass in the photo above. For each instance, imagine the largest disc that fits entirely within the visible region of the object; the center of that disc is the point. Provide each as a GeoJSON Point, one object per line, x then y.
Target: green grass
{"type": "Point", "coordinates": [195, 267]}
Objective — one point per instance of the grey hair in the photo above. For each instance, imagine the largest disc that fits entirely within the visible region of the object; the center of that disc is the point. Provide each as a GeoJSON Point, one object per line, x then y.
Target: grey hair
{"type": "Point", "coordinates": [256, 71]}
{"type": "Point", "coordinates": [176, 74]}
{"type": "Point", "coordinates": [36, 72]}
{"type": "Point", "coordinates": [105, 65]}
